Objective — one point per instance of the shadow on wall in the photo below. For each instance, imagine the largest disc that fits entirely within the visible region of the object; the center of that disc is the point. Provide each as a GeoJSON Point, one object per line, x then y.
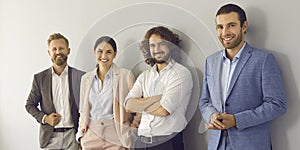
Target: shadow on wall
{"type": "Point", "coordinates": [256, 36]}
{"type": "Point", "coordinates": [282, 125]}
{"type": "Point", "coordinates": [192, 133]}
{"type": "Point", "coordinates": [257, 27]}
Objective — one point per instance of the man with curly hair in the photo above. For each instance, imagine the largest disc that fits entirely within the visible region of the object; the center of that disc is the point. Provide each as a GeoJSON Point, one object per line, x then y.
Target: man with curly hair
{"type": "Point", "coordinates": [161, 93]}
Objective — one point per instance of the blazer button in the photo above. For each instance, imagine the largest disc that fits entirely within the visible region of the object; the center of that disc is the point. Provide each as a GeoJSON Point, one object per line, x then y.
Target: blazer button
{"type": "Point", "coordinates": [226, 104]}
{"type": "Point", "coordinates": [102, 123]}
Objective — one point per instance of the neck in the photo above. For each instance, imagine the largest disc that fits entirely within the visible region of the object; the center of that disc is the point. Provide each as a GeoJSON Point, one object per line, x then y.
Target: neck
{"type": "Point", "coordinates": [230, 53]}
{"type": "Point", "coordinates": [162, 65]}
{"type": "Point", "coordinates": [59, 69]}
{"type": "Point", "coordinates": [102, 70]}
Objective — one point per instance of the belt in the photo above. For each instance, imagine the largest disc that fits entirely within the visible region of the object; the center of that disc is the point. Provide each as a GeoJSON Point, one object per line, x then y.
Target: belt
{"type": "Point", "coordinates": [224, 133]}
{"type": "Point", "coordinates": [61, 129]}
{"type": "Point", "coordinates": [150, 140]}
{"type": "Point", "coordinates": [155, 139]}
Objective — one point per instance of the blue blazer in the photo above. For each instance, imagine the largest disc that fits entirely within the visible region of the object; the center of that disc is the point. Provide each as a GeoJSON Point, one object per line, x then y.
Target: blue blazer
{"type": "Point", "coordinates": [255, 97]}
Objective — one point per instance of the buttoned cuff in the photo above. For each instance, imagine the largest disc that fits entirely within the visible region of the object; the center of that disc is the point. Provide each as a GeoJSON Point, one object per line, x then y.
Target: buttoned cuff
{"type": "Point", "coordinates": [79, 134]}
{"type": "Point", "coordinates": [43, 119]}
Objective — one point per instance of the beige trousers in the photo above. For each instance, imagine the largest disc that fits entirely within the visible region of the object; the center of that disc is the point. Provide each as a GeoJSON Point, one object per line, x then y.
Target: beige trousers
{"type": "Point", "coordinates": [63, 141]}
{"type": "Point", "coordinates": [101, 135]}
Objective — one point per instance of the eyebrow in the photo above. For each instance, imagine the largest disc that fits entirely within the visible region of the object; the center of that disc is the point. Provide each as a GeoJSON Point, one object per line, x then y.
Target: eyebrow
{"type": "Point", "coordinates": [102, 50]}
{"type": "Point", "coordinates": [230, 23]}
{"type": "Point", "coordinates": [157, 42]}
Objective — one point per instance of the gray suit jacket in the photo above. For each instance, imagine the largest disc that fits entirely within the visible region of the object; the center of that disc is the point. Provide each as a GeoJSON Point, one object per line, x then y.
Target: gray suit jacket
{"type": "Point", "coordinates": [41, 94]}
{"type": "Point", "coordinates": [255, 96]}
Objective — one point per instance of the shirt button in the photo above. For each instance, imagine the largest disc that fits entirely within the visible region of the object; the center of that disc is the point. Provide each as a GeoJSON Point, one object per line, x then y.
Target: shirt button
{"type": "Point", "coordinates": [102, 123]}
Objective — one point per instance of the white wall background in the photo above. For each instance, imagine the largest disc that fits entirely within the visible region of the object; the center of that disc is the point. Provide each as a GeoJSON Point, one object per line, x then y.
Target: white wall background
{"type": "Point", "coordinates": [25, 26]}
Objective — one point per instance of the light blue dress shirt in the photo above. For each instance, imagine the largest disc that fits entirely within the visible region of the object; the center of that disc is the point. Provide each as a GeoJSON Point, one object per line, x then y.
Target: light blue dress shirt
{"type": "Point", "coordinates": [101, 97]}
{"type": "Point", "coordinates": [228, 68]}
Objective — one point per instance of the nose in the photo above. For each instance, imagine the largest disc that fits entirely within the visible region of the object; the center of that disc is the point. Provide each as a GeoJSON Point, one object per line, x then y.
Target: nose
{"type": "Point", "coordinates": [156, 48]}
{"type": "Point", "coordinates": [225, 30]}
{"type": "Point", "coordinates": [58, 51]}
{"type": "Point", "coordinates": [103, 55]}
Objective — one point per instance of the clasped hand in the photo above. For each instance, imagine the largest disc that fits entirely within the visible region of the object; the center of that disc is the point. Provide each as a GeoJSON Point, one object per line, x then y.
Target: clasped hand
{"type": "Point", "coordinates": [52, 119]}
{"type": "Point", "coordinates": [221, 121]}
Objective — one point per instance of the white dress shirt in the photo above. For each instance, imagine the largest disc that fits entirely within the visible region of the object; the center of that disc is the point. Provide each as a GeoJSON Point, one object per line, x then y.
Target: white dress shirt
{"type": "Point", "coordinates": [175, 84]}
{"type": "Point", "coordinates": [61, 93]}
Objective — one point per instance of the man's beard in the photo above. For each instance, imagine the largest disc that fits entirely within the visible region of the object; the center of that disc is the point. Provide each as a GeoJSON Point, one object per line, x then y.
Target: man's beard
{"type": "Point", "coordinates": [164, 60]}
{"type": "Point", "coordinates": [61, 61]}
{"type": "Point", "coordinates": [235, 43]}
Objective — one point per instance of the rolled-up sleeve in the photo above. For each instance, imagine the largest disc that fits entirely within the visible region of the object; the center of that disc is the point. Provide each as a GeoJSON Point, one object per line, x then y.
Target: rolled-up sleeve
{"type": "Point", "coordinates": [178, 91]}
{"type": "Point", "coordinates": [136, 90]}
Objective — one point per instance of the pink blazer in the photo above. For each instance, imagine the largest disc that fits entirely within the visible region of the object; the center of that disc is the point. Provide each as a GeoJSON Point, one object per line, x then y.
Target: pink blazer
{"type": "Point", "coordinates": [123, 81]}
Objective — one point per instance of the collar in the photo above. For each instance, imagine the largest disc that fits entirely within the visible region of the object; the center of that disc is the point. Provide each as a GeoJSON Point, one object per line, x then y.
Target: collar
{"type": "Point", "coordinates": [108, 74]}
{"type": "Point", "coordinates": [168, 67]}
{"type": "Point", "coordinates": [66, 70]}
{"type": "Point", "coordinates": [237, 56]}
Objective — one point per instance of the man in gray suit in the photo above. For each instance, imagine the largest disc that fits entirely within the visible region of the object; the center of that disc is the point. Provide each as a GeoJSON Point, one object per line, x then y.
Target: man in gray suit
{"type": "Point", "coordinates": [242, 88]}
{"type": "Point", "coordinates": [56, 90]}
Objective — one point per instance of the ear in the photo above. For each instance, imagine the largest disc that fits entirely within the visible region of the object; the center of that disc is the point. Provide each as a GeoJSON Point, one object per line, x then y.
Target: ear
{"type": "Point", "coordinates": [245, 26]}
{"type": "Point", "coordinates": [69, 49]}
{"type": "Point", "coordinates": [115, 54]}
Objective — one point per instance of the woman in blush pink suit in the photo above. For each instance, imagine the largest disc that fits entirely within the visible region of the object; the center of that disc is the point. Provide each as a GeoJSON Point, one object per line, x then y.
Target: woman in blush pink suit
{"type": "Point", "coordinates": [103, 122]}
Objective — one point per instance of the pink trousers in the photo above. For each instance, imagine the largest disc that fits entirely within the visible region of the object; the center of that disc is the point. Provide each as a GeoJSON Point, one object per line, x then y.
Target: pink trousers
{"type": "Point", "coordinates": [101, 135]}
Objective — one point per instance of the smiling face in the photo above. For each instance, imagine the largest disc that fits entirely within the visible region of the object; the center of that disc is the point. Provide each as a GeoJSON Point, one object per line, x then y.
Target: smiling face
{"type": "Point", "coordinates": [230, 32]}
{"type": "Point", "coordinates": [159, 49]}
{"type": "Point", "coordinates": [58, 51]}
{"type": "Point", "coordinates": [104, 54]}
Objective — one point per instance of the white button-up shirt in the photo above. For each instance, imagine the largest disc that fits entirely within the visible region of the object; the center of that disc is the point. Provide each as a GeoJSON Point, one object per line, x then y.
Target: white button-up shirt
{"type": "Point", "coordinates": [60, 93]}
{"type": "Point", "coordinates": [175, 84]}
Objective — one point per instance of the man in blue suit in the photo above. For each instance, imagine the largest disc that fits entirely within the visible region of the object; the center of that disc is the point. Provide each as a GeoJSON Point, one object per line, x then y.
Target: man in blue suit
{"type": "Point", "coordinates": [242, 88]}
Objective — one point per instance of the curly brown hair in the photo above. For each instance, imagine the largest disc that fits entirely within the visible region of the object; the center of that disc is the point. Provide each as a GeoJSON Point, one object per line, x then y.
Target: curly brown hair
{"type": "Point", "coordinates": [165, 34]}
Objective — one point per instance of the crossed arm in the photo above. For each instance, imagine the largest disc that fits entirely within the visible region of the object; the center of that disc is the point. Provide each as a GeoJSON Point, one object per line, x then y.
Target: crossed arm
{"type": "Point", "coordinates": [150, 105]}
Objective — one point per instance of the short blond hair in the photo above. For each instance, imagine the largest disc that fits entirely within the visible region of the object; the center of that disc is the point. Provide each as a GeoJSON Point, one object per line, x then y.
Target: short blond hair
{"type": "Point", "coordinates": [56, 36]}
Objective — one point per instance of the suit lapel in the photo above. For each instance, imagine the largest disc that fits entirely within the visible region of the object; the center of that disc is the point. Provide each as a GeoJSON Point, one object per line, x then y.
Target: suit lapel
{"type": "Point", "coordinates": [71, 95]}
{"type": "Point", "coordinates": [84, 101]}
{"type": "Point", "coordinates": [116, 77]}
{"type": "Point", "coordinates": [115, 80]}
{"type": "Point", "coordinates": [89, 81]}
{"type": "Point", "coordinates": [217, 73]}
{"type": "Point", "coordinates": [48, 89]}
{"type": "Point", "coordinates": [246, 54]}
